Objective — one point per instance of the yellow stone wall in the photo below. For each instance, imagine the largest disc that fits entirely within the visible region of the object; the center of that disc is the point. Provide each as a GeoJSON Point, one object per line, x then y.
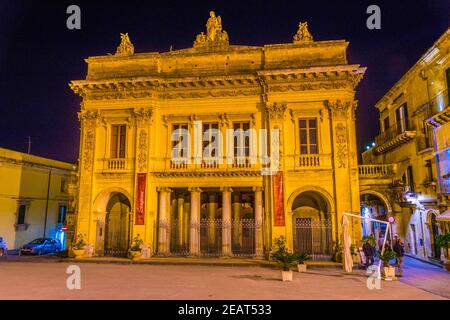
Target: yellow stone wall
{"type": "Point", "coordinates": [269, 86]}
{"type": "Point", "coordinates": [24, 179]}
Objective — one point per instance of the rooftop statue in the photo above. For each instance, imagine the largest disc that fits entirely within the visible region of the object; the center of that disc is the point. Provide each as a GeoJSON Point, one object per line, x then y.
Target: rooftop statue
{"type": "Point", "coordinates": [215, 36]}
{"type": "Point", "coordinates": [125, 47]}
{"type": "Point", "coordinates": [303, 35]}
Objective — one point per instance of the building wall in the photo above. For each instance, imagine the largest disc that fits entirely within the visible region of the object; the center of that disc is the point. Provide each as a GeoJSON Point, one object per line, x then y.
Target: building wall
{"type": "Point", "coordinates": [25, 181]}
{"type": "Point", "coordinates": [270, 87]}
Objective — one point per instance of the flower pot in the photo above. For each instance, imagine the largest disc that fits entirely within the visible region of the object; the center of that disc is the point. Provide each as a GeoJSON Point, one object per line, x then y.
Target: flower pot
{"type": "Point", "coordinates": [79, 253]}
{"type": "Point", "coordinates": [135, 255]}
{"type": "Point", "coordinates": [389, 273]}
{"type": "Point", "coordinates": [301, 267]}
{"type": "Point", "coordinates": [286, 275]}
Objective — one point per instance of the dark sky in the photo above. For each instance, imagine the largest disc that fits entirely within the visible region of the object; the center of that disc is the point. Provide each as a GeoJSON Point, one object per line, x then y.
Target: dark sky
{"type": "Point", "coordinates": [39, 55]}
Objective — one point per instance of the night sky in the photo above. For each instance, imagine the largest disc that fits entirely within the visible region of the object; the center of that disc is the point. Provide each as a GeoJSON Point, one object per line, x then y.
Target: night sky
{"type": "Point", "coordinates": [39, 55]}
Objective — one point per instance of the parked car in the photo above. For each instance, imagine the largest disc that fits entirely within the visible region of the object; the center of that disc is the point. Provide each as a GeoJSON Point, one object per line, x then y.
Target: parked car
{"type": "Point", "coordinates": [41, 246]}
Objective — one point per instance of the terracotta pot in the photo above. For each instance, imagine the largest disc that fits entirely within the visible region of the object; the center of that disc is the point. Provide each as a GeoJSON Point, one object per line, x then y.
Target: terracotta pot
{"type": "Point", "coordinates": [301, 267]}
{"type": "Point", "coordinates": [135, 255]}
{"type": "Point", "coordinates": [286, 275]}
{"type": "Point", "coordinates": [79, 253]}
{"type": "Point", "coordinates": [389, 273]}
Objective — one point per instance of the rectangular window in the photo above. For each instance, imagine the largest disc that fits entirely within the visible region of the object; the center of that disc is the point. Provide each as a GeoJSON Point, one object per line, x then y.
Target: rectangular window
{"type": "Point", "coordinates": [241, 139]}
{"type": "Point", "coordinates": [429, 167]}
{"type": "Point", "coordinates": [21, 214]}
{"type": "Point", "coordinates": [179, 140]}
{"type": "Point", "coordinates": [408, 179]}
{"type": "Point", "coordinates": [210, 131]}
{"type": "Point", "coordinates": [308, 136]}
{"type": "Point", "coordinates": [401, 116]}
{"type": "Point", "coordinates": [386, 123]}
{"type": "Point", "coordinates": [62, 214]}
{"type": "Point", "coordinates": [118, 140]}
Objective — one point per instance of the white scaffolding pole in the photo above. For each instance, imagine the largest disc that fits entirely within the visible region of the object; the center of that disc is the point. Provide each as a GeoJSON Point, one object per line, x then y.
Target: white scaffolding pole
{"type": "Point", "coordinates": [388, 224]}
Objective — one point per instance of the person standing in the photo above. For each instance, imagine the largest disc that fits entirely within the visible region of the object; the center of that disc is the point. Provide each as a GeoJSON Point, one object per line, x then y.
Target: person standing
{"type": "Point", "coordinates": [399, 249]}
{"type": "Point", "coordinates": [369, 252]}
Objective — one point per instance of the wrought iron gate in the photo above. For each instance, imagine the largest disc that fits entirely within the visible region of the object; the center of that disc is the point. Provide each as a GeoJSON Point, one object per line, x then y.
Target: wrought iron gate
{"type": "Point", "coordinates": [313, 237]}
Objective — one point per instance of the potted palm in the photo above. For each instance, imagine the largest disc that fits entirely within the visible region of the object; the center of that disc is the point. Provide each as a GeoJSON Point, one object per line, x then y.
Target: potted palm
{"type": "Point", "coordinates": [78, 246]}
{"type": "Point", "coordinates": [284, 258]}
{"type": "Point", "coordinates": [135, 249]}
{"type": "Point", "coordinates": [386, 257]}
{"type": "Point", "coordinates": [337, 253]}
{"type": "Point", "coordinates": [301, 258]}
{"type": "Point", "coordinates": [443, 241]}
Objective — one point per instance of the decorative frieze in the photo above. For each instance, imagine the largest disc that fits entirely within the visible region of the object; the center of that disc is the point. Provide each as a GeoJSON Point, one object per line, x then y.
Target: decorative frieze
{"type": "Point", "coordinates": [341, 144]}
{"type": "Point", "coordinates": [275, 111]}
{"type": "Point", "coordinates": [143, 150]}
{"type": "Point", "coordinates": [340, 109]}
{"type": "Point", "coordinates": [88, 148]}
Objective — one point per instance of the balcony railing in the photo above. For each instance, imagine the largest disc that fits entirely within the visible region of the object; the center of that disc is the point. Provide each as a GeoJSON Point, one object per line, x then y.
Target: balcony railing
{"type": "Point", "coordinates": [236, 163]}
{"type": "Point", "coordinates": [115, 165]}
{"type": "Point", "coordinates": [397, 134]}
{"type": "Point", "coordinates": [376, 170]}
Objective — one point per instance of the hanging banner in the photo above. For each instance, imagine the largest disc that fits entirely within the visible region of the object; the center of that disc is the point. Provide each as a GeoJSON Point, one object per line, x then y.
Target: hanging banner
{"type": "Point", "coordinates": [278, 199]}
{"type": "Point", "coordinates": [140, 199]}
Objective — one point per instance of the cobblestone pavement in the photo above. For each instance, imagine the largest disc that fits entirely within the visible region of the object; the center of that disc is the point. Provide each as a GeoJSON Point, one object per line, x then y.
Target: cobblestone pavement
{"type": "Point", "coordinates": [426, 277]}
{"type": "Point", "coordinates": [31, 280]}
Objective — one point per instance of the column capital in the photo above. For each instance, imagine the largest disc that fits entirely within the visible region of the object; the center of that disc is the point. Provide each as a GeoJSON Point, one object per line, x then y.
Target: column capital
{"type": "Point", "coordinates": [226, 189]}
{"type": "Point", "coordinates": [195, 189]}
{"type": "Point", "coordinates": [163, 189]}
{"type": "Point", "coordinates": [258, 189]}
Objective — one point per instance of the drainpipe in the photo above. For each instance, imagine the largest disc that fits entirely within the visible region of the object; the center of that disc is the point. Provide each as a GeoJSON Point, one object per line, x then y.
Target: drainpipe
{"type": "Point", "coordinates": [46, 202]}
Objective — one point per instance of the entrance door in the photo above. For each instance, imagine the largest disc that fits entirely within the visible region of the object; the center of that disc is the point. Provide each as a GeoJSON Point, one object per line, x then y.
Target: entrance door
{"type": "Point", "coordinates": [436, 251]}
{"type": "Point", "coordinates": [117, 226]}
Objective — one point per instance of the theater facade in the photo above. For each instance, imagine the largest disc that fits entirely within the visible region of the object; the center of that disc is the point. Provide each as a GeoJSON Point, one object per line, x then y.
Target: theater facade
{"type": "Point", "coordinates": [217, 149]}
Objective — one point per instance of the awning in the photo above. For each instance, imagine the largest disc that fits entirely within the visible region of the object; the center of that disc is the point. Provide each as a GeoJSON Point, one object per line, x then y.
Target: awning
{"type": "Point", "coordinates": [401, 169]}
{"type": "Point", "coordinates": [444, 216]}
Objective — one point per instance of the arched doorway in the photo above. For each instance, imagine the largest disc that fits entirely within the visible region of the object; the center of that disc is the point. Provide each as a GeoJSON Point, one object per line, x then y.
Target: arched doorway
{"type": "Point", "coordinates": [434, 231]}
{"type": "Point", "coordinates": [372, 206]}
{"type": "Point", "coordinates": [117, 225]}
{"type": "Point", "coordinates": [312, 225]}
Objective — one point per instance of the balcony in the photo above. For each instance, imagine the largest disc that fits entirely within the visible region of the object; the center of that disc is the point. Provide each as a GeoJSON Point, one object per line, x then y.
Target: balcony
{"type": "Point", "coordinates": [396, 135]}
{"type": "Point", "coordinates": [205, 165]}
{"type": "Point", "coordinates": [376, 170]}
{"type": "Point", "coordinates": [115, 165]}
{"type": "Point", "coordinates": [312, 161]}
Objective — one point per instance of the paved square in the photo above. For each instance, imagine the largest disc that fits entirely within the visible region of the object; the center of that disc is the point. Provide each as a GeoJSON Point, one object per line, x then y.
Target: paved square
{"type": "Point", "coordinates": [40, 280]}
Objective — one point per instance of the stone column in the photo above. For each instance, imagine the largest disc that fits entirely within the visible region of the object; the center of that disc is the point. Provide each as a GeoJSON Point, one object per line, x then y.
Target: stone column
{"type": "Point", "coordinates": [212, 208]}
{"type": "Point", "coordinates": [163, 238]}
{"type": "Point", "coordinates": [259, 245]}
{"type": "Point", "coordinates": [226, 221]}
{"type": "Point", "coordinates": [186, 210]}
{"type": "Point", "coordinates": [180, 219]}
{"type": "Point", "coordinates": [237, 230]}
{"type": "Point", "coordinates": [194, 245]}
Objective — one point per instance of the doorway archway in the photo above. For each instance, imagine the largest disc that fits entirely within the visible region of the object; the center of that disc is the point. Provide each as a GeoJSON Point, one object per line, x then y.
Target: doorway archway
{"type": "Point", "coordinates": [312, 225]}
{"type": "Point", "coordinates": [117, 226]}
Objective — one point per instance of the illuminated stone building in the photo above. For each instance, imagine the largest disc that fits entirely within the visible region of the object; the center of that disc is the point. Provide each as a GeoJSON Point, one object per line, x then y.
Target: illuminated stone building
{"type": "Point", "coordinates": [406, 174]}
{"type": "Point", "coordinates": [135, 105]}
{"type": "Point", "coordinates": [34, 197]}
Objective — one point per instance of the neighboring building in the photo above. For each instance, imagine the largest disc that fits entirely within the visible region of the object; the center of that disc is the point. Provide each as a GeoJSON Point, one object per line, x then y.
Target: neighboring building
{"type": "Point", "coordinates": [138, 173]}
{"type": "Point", "coordinates": [412, 155]}
{"type": "Point", "coordinates": [34, 197]}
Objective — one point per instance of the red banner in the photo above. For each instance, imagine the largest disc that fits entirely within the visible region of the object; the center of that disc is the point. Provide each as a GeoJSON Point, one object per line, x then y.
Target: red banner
{"type": "Point", "coordinates": [140, 199]}
{"type": "Point", "coordinates": [278, 198]}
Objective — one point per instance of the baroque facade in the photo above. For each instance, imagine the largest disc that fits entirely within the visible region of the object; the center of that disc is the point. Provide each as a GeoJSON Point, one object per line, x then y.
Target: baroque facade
{"type": "Point", "coordinates": [147, 120]}
{"type": "Point", "coordinates": [411, 154]}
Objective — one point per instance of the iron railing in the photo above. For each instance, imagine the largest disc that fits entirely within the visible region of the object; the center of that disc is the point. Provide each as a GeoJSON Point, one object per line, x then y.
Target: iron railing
{"type": "Point", "coordinates": [313, 237]}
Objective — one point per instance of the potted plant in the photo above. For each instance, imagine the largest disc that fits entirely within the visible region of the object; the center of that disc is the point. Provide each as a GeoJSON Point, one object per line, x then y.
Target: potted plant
{"type": "Point", "coordinates": [443, 241]}
{"type": "Point", "coordinates": [354, 253]}
{"type": "Point", "coordinates": [284, 258]}
{"type": "Point", "coordinates": [371, 239]}
{"type": "Point", "coordinates": [386, 257]}
{"type": "Point", "coordinates": [135, 249]}
{"type": "Point", "coordinates": [338, 251]}
{"type": "Point", "coordinates": [79, 246]}
{"type": "Point", "coordinates": [301, 258]}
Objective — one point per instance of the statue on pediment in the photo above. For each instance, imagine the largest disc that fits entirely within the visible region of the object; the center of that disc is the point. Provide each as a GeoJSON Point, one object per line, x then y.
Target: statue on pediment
{"type": "Point", "coordinates": [125, 47]}
{"type": "Point", "coordinates": [215, 35]}
{"type": "Point", "coordinates": [303, 35]}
